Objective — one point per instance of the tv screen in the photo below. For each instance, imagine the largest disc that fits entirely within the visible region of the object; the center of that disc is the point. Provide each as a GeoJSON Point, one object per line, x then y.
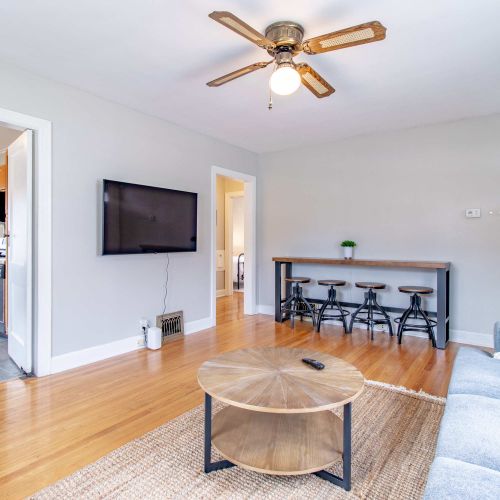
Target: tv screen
{"type": "Point", "coordinates": [145, 219]}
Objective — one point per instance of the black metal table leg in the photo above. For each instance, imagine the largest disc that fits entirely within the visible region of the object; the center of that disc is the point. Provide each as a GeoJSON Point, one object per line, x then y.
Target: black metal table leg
{"type": "Point", "coordinates": [209, 465]}
{"type": "Point", "coordinates": [278, 315]}
{"type": "Point", "coordinates": [347, 455]}
{"type": "Point", "coordinates": [345, 481]}
{"type": "Point", "coordinates": [288, 285]}
{"type": "Point", "coordinates": [277, 292]}
{"type": "Point", "coordinates": [443, 308]}
{"type": "Point", "coordinates": [288, 274]}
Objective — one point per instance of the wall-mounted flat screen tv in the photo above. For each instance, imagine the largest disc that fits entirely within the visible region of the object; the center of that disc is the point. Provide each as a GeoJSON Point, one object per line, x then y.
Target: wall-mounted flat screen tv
{"type": "Point", "coordinates": [146, 219]}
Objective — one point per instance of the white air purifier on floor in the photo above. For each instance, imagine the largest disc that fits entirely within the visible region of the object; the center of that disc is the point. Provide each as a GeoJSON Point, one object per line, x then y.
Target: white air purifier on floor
{"type": "Point", "coordinates": [154, 338]}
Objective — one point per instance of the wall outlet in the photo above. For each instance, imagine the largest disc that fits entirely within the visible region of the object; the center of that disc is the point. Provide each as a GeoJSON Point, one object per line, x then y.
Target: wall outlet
{"type": "Point", "coordinates": [472, 213]}
{"type": "Point", "coordinates": [143, 323]}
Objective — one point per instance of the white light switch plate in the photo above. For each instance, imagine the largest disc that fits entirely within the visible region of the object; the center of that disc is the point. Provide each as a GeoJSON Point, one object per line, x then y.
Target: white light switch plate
{"type": "Point", "coordinates": [471, 213]}
{"type": "Point", "coordinates": [220, 260]}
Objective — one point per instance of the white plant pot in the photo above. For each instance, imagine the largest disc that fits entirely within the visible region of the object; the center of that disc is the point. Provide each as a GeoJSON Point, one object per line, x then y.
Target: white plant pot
{"type": "Point", "coordinates": [348, 252]}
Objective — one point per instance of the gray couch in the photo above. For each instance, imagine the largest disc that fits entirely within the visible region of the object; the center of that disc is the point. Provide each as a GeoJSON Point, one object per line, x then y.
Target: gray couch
{"type": "Point", "coordinates": [467, 462]}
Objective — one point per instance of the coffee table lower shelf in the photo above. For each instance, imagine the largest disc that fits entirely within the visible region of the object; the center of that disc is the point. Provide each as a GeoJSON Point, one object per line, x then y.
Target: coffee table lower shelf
{"type": "Point", "coordinates": [279, 443]}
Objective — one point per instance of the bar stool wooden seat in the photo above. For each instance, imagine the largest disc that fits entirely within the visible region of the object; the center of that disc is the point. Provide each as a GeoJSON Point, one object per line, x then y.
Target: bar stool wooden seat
{"type": "Point", "coordinates": [331, 303]}
{"type": "Point", "coordinates": [298, 280]}
{"type": "Point", "coordinates": [423, 290]}
{"type": "Point", "coordinates": [415, 312]}
{"type": "Point", "coordinates": [372, 312]}
{"type": "Point", "coordinates": [297, 304]}
{"type": "Point", "coordinates": [370, 284]}
{"type": "Point", "coordinates": [331, 282]}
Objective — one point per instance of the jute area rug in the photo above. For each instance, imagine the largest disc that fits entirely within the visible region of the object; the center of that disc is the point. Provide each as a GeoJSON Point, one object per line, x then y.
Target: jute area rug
{"type": "Point", "coordinates": [394, 437]}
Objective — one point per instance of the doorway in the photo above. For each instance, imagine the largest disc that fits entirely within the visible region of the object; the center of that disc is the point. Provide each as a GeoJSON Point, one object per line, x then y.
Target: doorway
{"type": "Point", "coordinates": [15, 161]}
{"type": "Point", "coordinates": [37, 335]}
{"type": "Point", "coordinates": [230, 252]}
{"type": "Point", "coordinates": [233, 245]}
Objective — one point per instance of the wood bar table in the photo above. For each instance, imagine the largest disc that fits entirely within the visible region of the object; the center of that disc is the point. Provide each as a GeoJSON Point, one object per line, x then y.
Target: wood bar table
{"type": "Point", "coordinates": [442, 289]}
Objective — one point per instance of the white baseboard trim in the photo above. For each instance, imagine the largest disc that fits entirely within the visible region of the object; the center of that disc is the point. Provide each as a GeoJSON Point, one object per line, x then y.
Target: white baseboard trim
{"type": "Point", "coordinates": [221, 293]}
{"type": "Point", "coordinates": [197, 325]}
{"type": "Point", "coordinates": [96, 353]}
{"type": "Point", "coordinates": [83, 357]}
{"type": "Point", "coordinates": [472, 338]}
{"type": "Point", "coordinates": [265, 309]}
{"type": "Point", "coordinates": [459, 336]}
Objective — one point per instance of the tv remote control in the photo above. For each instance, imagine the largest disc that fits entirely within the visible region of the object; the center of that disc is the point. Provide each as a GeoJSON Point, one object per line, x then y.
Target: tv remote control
{"type": "Point", "coordinates": [314, 363]}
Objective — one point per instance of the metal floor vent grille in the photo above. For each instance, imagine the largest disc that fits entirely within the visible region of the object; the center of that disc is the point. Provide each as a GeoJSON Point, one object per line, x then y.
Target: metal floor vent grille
{"type": "Point", "coordinates": [171, 325]}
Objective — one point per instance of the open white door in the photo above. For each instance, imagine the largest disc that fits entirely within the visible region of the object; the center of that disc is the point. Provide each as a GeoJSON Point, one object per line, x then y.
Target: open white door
{"type": "Point", "coordinates": [19, 250]}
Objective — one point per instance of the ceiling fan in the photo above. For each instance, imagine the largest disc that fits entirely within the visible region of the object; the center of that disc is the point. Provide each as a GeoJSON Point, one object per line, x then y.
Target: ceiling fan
{"type": "Point", "coordinates": [283, 41]}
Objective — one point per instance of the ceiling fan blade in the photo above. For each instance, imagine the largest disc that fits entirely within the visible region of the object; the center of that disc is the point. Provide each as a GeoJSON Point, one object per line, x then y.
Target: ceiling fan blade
{"type": "Point", "coordinates": [356, 35]}
{"type": "Point", "coordinates": [315, 83]}
{"type": "Point", "coordinates": [239, 72]}
{"type": "Point", "coordinates": [238, 26]}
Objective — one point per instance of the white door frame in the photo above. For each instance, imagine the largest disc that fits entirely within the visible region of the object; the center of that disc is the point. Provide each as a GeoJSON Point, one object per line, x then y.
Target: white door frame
{"type": "Point", "coordinates": [42, 234]}
{"type": "Point", "coordinates": [228, 238]}
{"type": "Point", "coordinates": [19, 250]}
{"type": "Point", "coordinates": [250, 190]}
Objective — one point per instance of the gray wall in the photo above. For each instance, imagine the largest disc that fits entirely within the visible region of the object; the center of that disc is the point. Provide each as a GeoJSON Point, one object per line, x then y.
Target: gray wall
{"type": "Point", "coordinates": [400, 195]}
{"type": "Point", "coordinates": [101, 299]}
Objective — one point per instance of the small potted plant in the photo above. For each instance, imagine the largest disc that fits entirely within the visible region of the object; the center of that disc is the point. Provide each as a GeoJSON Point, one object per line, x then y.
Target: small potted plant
{"type": "Point", "coordinates": [348, 246]}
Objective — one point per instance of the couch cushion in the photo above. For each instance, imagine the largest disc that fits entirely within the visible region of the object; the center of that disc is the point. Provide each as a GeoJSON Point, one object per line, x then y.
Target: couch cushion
{"type": "Point", "coordinates": [470, 430]}
{"type": "Point", "coordinates": [475, 372]}
{"type": "Point", "coordinates": [451, 479]}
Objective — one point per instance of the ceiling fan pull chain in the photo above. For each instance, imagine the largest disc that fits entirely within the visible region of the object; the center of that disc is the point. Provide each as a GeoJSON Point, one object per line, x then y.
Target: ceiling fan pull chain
{"type": "Point", "coordinates": [270, 105]}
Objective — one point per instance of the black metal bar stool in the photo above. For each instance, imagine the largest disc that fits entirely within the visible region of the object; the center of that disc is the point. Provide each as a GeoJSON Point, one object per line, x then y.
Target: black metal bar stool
{"type": "Point", "coordinates": [331, 304]}
{"type": "Point", "coordinates": [297, 304]}
{"type": "Point", "coordinates": [375, 313]}
{"type": "Point", "coordinates": [415, 312]}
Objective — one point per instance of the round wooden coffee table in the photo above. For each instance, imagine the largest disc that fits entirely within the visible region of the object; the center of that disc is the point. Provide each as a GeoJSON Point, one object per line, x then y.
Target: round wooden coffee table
{"type": "Point", "coordinates": [278, 419]}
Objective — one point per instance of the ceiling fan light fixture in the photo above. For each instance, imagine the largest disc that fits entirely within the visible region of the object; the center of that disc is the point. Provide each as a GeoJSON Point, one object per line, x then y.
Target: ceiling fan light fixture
{"type": "Point", "coordinates": [285, 80]}
{"type": "Point", "coordinates": [283, 40]}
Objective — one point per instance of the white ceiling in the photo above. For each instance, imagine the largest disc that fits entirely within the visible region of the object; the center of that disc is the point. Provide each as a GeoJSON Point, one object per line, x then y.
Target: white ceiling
{"type": "Point", "coordinates": [439, 62]}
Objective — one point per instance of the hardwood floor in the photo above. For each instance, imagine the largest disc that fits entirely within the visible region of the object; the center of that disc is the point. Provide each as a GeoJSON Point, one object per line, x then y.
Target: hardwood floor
{"type": "Point", "coordinates": [55, 425]}
{"type": "Point", "coordinates": [230, 308]}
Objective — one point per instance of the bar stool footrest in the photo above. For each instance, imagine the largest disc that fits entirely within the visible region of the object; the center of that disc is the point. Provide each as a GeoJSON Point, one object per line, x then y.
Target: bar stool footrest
{"type": "Point", "coordinates": [367, 321]}
{"type": "Point", "coordinates": [340, 315]}
{"type": "Point", "coordinates": [374, 312]}
{"type": "Point", "coordinates": [424, 325]}
{"type": "Point", "coordinates": [306, 314]}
